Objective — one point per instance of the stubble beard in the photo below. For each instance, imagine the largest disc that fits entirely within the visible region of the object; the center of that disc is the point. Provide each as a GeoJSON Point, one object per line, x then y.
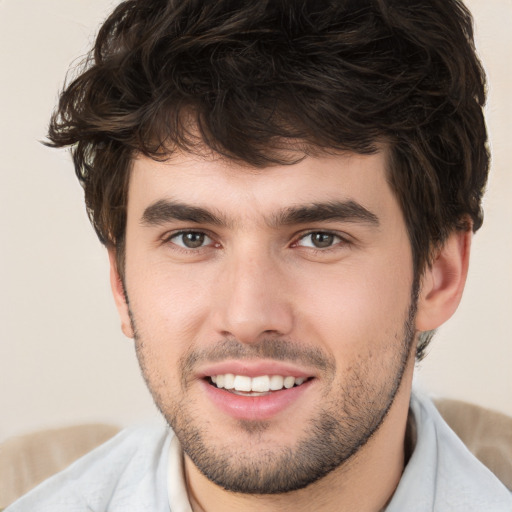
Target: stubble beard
{"type": "Point", "coordinates": [340, 427]}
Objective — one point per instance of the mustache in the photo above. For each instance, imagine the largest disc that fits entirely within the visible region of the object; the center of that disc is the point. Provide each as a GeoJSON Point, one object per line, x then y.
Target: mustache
{"type": "Point", "coordinates": [268, 348]}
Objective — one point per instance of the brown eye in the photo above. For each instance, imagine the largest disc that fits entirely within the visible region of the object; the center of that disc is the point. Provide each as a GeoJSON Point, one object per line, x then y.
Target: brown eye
{"type": "Point", "coordinates": [319, 240]}
{"type": "Point", "coordinates": [191, 239]}
{"type": "Point", "coordinates": [322, 240]}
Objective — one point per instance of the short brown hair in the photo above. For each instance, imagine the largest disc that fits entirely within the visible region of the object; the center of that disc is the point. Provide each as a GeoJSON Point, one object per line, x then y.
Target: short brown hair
{"type": "Point", "coordinates": [241, 78]}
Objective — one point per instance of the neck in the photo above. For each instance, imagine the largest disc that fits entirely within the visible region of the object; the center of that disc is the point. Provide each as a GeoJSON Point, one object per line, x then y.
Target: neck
{"type": "Point", "coordinates": [366, 482]}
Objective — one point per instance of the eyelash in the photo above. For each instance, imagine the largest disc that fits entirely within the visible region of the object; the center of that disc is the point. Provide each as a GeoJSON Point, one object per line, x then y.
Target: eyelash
{"type": "Point", "coordinates": [339, 240]}
{"type": "Point", "coordinates": [171, 236]}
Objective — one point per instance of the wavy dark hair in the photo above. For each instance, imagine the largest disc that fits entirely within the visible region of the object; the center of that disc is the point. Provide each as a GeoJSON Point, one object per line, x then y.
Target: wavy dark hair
{"type": "Point", "coordinates": [250, 79]}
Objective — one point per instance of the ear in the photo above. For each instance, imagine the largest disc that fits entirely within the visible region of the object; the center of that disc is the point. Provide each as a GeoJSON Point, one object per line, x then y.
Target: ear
{"type": "Point", "coordinates": [443, 282]}
{"type": "Point", "coordinates": [118, 291]}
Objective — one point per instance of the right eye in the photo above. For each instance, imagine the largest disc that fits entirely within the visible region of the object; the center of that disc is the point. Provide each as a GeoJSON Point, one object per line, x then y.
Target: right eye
{"type": "Point", "coordinates": [190, 239]}
{"type": "Point", "coordinates": [319, 240]}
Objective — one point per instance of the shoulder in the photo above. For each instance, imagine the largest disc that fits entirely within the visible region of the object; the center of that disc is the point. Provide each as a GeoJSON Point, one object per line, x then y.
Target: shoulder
{"type": "Point", "coordinates": [132, 463]}
{"type": "Point", "coordinates": [442, 474]}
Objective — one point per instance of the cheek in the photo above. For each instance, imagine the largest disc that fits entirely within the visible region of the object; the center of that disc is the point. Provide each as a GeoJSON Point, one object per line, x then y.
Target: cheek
{"type": "Point", "coordinates": [169, 307]}
{"type": "Point", "coordinates": [166, 317]}
{"type": "Point", "coordinates": [358, 309]}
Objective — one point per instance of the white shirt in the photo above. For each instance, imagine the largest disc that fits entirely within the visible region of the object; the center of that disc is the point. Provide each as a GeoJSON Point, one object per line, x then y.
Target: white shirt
{"type": "Point", "coordinates": [141, 470]}
{"type": "Point", "coordinates": [442, 475]}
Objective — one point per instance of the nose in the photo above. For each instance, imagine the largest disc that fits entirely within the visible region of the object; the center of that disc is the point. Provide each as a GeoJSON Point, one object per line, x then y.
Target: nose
{"type": "Point", "coordinates": [253, 299]}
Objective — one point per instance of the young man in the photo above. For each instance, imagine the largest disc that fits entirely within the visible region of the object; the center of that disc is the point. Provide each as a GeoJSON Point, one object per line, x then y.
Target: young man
{"type": "Point", "coordinates": [287, 192]}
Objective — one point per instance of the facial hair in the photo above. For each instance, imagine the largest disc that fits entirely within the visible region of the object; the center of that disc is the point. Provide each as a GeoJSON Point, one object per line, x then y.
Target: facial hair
{"type": "Point", "coordinates": [339, 427]}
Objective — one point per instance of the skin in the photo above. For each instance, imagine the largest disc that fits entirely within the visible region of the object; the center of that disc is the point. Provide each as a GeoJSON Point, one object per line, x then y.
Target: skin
{"type": "Point", "coordinates": [255, 282]}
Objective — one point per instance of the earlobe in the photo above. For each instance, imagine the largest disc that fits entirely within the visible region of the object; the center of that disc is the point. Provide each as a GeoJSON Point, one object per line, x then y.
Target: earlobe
{"type": "Point", "coordinates": [443, 282]}
{"type": "Point", "coordinates": [118, 291]}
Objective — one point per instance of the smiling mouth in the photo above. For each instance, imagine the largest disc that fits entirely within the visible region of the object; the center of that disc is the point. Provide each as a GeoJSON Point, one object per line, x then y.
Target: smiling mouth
{"type": "Point", "coordinates": [255, 386]}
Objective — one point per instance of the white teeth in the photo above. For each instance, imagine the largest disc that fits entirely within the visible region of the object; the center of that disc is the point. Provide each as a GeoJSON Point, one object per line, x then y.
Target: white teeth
{"type": "Point", "coordinates": [229, 381]}
{"type": "Point", "coordinates": [242, 383]}
{"type": "Point", "coordinates": [276, 382]}
{"type": "Point", "coordinates": [289, 382]}
{"type": "Point", "coordinates": [260, 384]}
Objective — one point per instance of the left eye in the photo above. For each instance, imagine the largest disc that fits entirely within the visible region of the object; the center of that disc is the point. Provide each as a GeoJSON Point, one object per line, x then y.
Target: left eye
{"type": "Point", "coordinates": [319, 240]}
{"type": "Point", "coordinates": [191, 239]}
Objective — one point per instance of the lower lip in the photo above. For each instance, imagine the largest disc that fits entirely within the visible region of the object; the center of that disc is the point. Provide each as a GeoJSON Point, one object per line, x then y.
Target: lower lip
{"type": "Point", "coordinates": [254, 407]}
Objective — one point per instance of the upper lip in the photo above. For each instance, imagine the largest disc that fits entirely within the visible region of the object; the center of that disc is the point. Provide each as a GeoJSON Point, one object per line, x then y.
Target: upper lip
{"type": "Point", "coordinates": [253, 368]}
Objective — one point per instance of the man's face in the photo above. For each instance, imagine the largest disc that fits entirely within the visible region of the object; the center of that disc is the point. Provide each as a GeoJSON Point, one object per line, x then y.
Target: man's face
{"type": "Point", "coordinates": [272, 309]}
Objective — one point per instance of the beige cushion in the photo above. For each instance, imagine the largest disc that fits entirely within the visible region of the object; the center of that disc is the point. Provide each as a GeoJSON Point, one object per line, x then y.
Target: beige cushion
{"type": "Point", "coordinates": [486, 433]}
{"type": "Point", "coordinates": [27, 460]}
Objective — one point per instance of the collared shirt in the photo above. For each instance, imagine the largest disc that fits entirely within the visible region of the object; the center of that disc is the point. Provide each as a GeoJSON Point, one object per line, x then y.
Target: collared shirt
{"type": "Point", "coordinates": [442, 475]}
{"type": "Point", "coordinates": [141, 470]}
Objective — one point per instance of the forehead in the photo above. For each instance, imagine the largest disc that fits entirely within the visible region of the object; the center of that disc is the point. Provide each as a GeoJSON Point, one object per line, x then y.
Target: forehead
{"type": "Point", "coordinates": [240, 191]}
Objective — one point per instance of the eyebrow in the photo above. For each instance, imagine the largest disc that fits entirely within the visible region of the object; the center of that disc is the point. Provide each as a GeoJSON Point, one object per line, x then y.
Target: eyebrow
{"type": "Point", "coordinates": [345, 211]}
{"type": "Point", "coordinates": [164, 211]}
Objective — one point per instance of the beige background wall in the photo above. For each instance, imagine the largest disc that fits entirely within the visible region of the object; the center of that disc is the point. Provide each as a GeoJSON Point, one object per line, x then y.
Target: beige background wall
{"type": "Point", "coordinates": [63, 359]}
